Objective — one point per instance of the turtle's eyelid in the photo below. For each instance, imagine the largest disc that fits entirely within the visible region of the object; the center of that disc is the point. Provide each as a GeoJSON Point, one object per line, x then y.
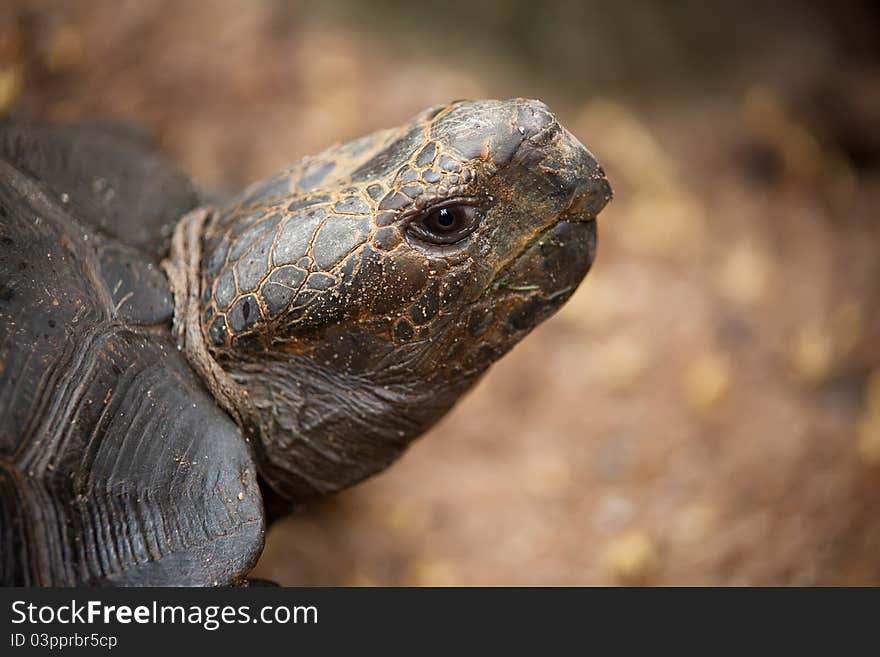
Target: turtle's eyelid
{"type": "Point", "coordinates": [414, 213]}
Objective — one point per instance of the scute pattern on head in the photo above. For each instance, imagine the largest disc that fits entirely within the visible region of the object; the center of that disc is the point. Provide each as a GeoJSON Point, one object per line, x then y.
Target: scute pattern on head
{"type": "Point", "coordinates": [280, 246]}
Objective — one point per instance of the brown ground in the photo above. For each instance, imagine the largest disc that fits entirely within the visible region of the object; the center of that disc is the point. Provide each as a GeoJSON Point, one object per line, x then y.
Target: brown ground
{"type": "Point", "coordinates": [706, 409]}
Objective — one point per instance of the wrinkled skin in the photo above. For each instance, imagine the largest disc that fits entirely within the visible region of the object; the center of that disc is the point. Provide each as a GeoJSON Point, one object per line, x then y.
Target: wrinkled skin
{"type": "Point", "coordinates": [353, 313]}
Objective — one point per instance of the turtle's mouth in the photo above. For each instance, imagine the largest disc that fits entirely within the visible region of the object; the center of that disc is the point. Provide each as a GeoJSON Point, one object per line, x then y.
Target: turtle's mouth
{"type": "Point", "coordinates": [558, 257]}
{"type": "Point", "coordinates": [542, 278]}
{"type": "Point", "coordinates": [553, 264]}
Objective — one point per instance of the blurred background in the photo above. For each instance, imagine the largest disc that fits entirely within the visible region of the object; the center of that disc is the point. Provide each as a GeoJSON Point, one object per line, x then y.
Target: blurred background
{"type": "Point", "coordinates": [706, 408]}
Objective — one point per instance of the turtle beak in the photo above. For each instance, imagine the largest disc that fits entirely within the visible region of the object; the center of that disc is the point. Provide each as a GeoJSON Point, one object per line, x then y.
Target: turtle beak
{"type": "Point", "coordinates": [578, 171]}
{"type": "Point", "coordinates": [549, 270]}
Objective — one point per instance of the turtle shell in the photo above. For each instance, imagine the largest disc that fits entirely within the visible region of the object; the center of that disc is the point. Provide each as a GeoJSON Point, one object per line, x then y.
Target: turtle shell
{"type": "Point", "coordinates": [116, 464]}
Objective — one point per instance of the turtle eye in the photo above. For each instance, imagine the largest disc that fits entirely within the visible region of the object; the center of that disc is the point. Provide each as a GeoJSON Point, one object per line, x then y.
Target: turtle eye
{"type": "Point", "coordinates": [446, 225]}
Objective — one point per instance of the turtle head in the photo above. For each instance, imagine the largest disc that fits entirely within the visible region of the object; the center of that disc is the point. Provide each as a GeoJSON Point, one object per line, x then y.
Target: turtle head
{"type": "Point", "coordinates": [358, 295]}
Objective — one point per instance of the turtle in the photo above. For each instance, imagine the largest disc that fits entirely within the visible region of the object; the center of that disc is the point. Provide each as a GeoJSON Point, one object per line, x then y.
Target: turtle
{"type": "Point", "coordinates": [176, 372]}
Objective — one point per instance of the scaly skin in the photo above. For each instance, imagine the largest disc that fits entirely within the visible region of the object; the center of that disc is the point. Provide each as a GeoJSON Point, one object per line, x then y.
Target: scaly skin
{"type": "Point", "coordinates": [348, 314]}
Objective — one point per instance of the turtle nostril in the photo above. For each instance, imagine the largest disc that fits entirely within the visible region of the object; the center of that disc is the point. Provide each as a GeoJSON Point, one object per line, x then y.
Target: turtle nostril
{"type": "Point", "coordinates": [534, 121]}
{"type": "Point", "coordinates": [546, 135]}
